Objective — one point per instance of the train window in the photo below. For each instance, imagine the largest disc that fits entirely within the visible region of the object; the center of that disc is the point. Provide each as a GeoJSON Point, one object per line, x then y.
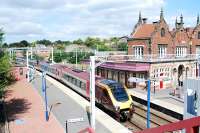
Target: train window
{"type": "Point", "coordinates": [78, 83]}
{"type": "Point", "coordinates": [118, 92]}
{"type": "Point", "coordinates": [83, 86]}
{"type": "Point", "coordinates": [75, 82]}
{"type": "Point", "coordinates": [72, 81]}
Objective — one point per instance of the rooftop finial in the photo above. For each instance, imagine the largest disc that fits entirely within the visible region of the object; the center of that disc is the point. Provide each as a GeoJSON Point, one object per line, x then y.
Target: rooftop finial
{"type": "Point", "coordinates": [198, 20]}
{"type": "Point", "coordinates": [161, 14]}
{"type": "Point", "coordinates": [140, 17]}
{"type": "Point", "coordinates": [181, 19]}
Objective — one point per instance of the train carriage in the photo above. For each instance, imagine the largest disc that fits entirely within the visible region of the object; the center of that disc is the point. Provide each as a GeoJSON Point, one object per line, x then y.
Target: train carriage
{"type": "Point", "coordinates": [109, 93]}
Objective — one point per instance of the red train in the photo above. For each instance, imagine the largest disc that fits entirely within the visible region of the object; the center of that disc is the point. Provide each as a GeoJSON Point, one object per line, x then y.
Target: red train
{"type": "Point", "coordinates": [109, 93]}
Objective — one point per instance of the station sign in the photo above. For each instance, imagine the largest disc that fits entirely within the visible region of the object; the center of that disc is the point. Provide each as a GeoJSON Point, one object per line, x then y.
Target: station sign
{"type": "Point", "coordinates": [75, 120]}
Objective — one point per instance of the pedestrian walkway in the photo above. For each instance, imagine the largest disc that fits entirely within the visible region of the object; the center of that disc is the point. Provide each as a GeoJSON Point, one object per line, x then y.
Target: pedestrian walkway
{"type": "Point", "coordinates": [25, 111]}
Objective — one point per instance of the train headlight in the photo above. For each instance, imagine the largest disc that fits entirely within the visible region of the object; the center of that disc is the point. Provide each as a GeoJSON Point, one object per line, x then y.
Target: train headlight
{"type": "Point", "coordinates": [117, 108]}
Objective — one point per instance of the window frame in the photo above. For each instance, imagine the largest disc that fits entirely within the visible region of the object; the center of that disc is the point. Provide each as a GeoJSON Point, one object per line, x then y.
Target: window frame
{"type": "Point", "coordinates": [198, 35]}
{"type": "Point", "coordinates": [162, 32]}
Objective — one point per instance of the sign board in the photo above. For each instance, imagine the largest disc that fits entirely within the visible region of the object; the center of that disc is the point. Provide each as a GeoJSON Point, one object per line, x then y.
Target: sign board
{"type": "Point", "coordinates": [137, 80]}
{"type": "Point", "coordinates": [75, 120]}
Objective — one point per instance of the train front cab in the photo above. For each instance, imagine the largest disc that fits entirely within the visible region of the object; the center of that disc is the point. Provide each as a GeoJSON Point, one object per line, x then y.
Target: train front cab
{"type": "Point", "coordinates": [114, 97]}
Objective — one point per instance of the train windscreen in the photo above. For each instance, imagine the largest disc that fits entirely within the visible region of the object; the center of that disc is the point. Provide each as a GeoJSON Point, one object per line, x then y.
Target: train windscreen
{"type": "Point", "coordinates": [118, 92]}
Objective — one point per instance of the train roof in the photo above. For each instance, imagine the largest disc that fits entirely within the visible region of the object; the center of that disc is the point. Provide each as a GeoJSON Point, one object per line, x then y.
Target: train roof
{"type": "Point", "coordinates": [76, 72]}
{"type": "Point", "coordinates": [108, 81]}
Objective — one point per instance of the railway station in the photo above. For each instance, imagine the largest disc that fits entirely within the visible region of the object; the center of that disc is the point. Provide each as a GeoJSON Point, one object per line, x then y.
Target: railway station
{"type": "Point", "coordinates": [150, 87]}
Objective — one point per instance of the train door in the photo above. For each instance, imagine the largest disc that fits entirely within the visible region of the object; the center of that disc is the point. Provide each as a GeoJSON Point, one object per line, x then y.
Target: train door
{"type": "Point", "coordinates": [106, 101]}
{"type": "Point", "coordinates": [98, 94]}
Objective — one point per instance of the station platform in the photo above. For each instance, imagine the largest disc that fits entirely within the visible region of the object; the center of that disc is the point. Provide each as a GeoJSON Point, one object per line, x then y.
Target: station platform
{"type": "Point", "coordinates": [65, 104]}
{"type": "Point", "coordinates": [25, 111]}
{"type": "Point", "coordinates": [161, 98]}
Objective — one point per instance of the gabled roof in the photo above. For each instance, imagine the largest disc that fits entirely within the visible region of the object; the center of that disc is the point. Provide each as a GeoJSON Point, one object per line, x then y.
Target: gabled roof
{"type": "Point", "coordinates": [144, 31]}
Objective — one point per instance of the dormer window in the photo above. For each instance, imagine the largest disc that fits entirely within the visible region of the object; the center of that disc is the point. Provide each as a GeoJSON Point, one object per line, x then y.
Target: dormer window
{"type": "Point", "coordinates": [199, 35]}
{"type": "Point", "coordinates": [162, 32]}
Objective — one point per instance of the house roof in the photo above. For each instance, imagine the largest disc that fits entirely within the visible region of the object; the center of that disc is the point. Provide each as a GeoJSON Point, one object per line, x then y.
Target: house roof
{"type": "Point", "coordinates": [144, 31]}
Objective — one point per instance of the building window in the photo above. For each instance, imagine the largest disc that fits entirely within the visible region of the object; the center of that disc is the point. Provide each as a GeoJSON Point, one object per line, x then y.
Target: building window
{"type": "Point", "coordinates": [198, 49]}
{"type": "Point", "coordinates": [138, 51]}
{"type": "Point", "coordinates": [199, 35]}
{"type": "Point", "coordinates": [162, 50]}
{"type": "Point", "coordinates": [162, 32]}
{"type": "Point", "coordinates": [181, 51]}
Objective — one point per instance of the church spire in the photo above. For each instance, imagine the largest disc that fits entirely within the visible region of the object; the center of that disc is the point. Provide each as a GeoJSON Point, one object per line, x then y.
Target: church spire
{"type": "Point", "coordinates": [198, 20]}
{"type": "Point", "coordinates": [181, 19]}
{"type": "Point", "coordinates": [161, 14]}
{"type": "Point", "coordinates": [140, 18]}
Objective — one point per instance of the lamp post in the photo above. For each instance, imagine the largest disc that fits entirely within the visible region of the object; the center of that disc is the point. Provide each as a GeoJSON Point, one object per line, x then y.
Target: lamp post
{"type": "Point", "coordinates": [44, 89]}
{"type": "Point", "coordinates": [92, 91]}
{"type": "Point", "coordinates": [52, 55]}
{"type": "Point", "coordinates": [76, 58]}
{"type": "Point", "coordinates": [27, 65]}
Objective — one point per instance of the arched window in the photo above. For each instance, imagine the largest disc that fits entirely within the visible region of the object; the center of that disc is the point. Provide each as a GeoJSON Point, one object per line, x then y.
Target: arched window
{"type": "Point", "coordinates": [199, 35]}
{"type": "Point", "coordinates": [162, 32]}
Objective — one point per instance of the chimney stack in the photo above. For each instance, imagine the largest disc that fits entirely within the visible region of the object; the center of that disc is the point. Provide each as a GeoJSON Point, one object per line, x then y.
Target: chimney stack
{"type": "Point", "coordinates": [144, 20]}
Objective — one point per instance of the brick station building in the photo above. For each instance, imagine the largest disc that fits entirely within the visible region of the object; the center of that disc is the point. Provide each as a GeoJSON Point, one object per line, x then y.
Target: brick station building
{"type": "Point", "coordinates": [169, 56]}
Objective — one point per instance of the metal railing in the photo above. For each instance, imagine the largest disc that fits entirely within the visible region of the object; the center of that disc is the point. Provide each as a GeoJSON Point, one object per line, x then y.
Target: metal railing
{"type": "Point", "coordinates": [147, 58]}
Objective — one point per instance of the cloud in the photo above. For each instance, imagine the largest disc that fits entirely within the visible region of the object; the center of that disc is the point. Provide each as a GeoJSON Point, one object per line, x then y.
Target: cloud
{"type": "Point", "coordinates": [72, 19]}
{"type": "Point", "coordinates": [25, 28]}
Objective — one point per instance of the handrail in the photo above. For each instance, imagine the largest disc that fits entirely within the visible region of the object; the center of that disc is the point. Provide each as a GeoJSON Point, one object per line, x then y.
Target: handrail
{"type": "Point", "coordinates": [190, 125]}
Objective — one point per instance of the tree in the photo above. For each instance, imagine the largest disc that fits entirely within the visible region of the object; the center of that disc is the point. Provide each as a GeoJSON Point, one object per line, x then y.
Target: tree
{"type": "Point", "coordinates": [90, 42]}
{"type": "Point", "coordinates": [79, 41]}
{"type": "Point", "coordinates": [24, 43]}
{"type": "Point", "coordinates": [5, 45]}
{"type": "Point", "coordinates": [44, 42]}
{"type": "Point", "coordinates": [1, 37]}
{"type": "Point", "coordinates": [122, 46]}
{"type": "Point", "coordinates": [5, 77]}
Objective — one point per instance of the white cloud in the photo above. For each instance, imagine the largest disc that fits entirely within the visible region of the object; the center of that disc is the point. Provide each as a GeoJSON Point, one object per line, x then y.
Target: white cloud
{"type": "Point", "coordinates": [25, 28]}
{"type": "Point", "coordinates": [72, 19]}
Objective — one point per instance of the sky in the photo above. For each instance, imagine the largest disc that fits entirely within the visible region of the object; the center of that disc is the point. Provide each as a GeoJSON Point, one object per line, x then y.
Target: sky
{"type": "Point", "coordinates": [72, 19]}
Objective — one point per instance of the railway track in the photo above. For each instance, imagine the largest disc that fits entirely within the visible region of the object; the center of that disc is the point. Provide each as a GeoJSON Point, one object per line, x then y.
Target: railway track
{"type": "Point", "coordinates": [138, 121]}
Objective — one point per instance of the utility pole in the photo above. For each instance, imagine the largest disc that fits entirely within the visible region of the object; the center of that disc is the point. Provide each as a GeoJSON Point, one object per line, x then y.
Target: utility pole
{"type": "Point", "coordinates": [31, 53]}
{"type": "Point", "coordinates": [92, 91]}
{"type": "Point", "coordinates": [44, 89]}
{"type": "Point", "coordinates": [52, 55]}
{"type": "Point", "coordinates": [76, 58]}
{"type": "Point", "coordinates": [27, 65]}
